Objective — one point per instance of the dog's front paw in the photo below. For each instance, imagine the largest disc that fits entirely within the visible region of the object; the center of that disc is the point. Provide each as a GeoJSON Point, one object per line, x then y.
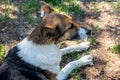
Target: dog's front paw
{"type": "Point", "coordinates": [86, 60]}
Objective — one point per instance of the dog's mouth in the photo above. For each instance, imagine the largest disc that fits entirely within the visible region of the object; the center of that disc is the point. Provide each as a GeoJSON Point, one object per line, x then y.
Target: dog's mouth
{"type": "Point", "coordinates": [81, 34]}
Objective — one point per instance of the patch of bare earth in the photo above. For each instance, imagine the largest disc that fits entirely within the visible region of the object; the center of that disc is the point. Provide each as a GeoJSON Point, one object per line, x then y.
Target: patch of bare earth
{"type": "Point", "coordinates": [106, 29]}
{"type": "Point", "coordinates": [106, 64]}
{"type": "Point", "coordinates": [15, 27]}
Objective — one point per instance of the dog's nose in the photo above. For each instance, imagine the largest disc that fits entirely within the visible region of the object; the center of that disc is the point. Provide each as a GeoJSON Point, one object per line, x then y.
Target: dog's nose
{"type": "Point", "coordinates": [88, 31]}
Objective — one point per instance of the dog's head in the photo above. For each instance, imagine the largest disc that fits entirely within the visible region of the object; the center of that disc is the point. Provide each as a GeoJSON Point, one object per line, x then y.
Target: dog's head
{"type": "Point", "coordinates": [58, 27]}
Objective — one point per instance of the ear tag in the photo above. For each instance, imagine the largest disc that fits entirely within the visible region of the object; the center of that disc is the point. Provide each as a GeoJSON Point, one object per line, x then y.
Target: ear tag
{"type": "Point", "coordinates": [42, 13]}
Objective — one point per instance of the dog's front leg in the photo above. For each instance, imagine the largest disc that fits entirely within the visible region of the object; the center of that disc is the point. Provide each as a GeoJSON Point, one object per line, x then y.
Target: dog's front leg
{"type": "Point", "coordinates": [85, 60]}
{"type": "Point", "coordinates": [80, 47]}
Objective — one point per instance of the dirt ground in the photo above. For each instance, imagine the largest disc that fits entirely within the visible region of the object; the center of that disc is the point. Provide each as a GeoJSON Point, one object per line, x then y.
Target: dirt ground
{"type": "Point", "coordinates": [105, 25]}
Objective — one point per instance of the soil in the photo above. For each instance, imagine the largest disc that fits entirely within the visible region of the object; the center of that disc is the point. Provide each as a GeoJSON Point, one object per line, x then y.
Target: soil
{"type": "Point", "coordinates": [105, 25]}
{"type": "Point", "coordinates": [106, 64]}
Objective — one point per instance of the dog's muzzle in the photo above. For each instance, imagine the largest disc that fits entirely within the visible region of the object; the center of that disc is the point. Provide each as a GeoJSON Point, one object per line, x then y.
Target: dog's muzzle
{"type": "Point", "coordinates": [81, 34]}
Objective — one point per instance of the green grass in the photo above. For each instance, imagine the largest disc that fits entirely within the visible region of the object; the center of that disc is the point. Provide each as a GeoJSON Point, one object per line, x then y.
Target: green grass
{"type": "Point", "coordinates": [28, 9]}
{"type": "Point", "coordinates": [76, 56]}
{"type": "Point", "coordinates": [106, 0]}
{"type": "Point", "coordinates": [5, 17]}
{"type": "Point", "coordinates": [117, 7]}
{"type": "Point", "coordinates": [3, 39]}
{"type": "Point", "coordinates": [95, 7]}
{"type": "Point", "coordinates": [92, 40]}
{"type": "Point", "coordinates": [68, 6]}
{"type": "Point", "coordinates": [54, 2]}
{"type": "Point", "coordinates": [115, 49]}
{"type": "Point", "coordinates": [2, 52]}
{"type": "Point", "coordinates": [74, 74]}
{"type": "Point", "coordinates": [29, 6]}
{"type": "Point", "coordinates": [79, 41]}
{"type": "Point", "coordinates": [31, 19]}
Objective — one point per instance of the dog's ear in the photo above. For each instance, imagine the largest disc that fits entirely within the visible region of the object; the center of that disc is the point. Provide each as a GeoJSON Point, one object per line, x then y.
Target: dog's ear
{"type": "Point", "coordinates": [45, 8]}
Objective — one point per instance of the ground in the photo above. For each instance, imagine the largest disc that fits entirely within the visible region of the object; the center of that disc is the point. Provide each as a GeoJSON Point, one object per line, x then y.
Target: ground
{"type": "Point", "coordinates": [101, 16]}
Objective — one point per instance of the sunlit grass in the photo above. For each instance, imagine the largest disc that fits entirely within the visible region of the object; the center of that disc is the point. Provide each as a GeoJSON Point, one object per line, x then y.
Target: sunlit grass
{"type": "Point", "coordinates": [2, 52]}
{"type": "Point", "coordinates": [92, 40]}
{"type": "Point", "coordinates": [115, 49]}
{"type": "Point", "coordinates": [117, 7]}
{"type": "Point", "coordinates": [69, 7]}
{"type": "Point", "coordinates": [95, 7]}
{"type": "Point", "coordinates": [7, 11]}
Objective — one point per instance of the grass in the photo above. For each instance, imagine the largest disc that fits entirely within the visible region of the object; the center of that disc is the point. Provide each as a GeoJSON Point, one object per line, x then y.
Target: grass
{"type": "Point", "coordinates": [74, 74]}
{"type": "Point", "coordinates": [54, 2]}
{"type": "Point", "coordinates": [76, 56]}
{"type": "Point", "coordinates": [5, 1]}
{"type": "Point", "coordinates": [95, 7]}
{"type": "Point", "coordinates": [115, 49]}
{"type": "Point", "coordinates": [117, 7]}
{"type": "Point", "coordinates": [68, 6]}
{"type": "Point", "coordinates": [5, 17]}
{"type": "Point", "coordinates": [29, 6]}
{"type": "Point", "coordinates": [28, 9]}
{"type": "Point", "coordinates": [31, 19]}
{"type": "Point", "coordinates": [92, 40]}
{"type": "Point", "coordinates": [3, 39]}
{"type": "Point", "coordinates": [107, 0]}
{"type": "Point", "coordinates": [2, 52]}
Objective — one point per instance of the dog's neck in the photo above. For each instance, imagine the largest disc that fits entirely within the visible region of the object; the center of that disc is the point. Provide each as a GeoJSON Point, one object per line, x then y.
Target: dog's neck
{"type": "Point", "coordinates": [46, 56]}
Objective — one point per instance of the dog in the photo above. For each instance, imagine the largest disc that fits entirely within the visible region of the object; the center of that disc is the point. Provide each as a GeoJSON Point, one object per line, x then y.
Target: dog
{"type": "Point", "coordinates": [37, 57]}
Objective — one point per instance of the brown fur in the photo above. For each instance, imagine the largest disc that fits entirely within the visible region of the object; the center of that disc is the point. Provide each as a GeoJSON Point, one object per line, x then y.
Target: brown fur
{"type": "Point", "coordinates": [49, 75]}
{"type": "Point", "coordinates": [53, 28]}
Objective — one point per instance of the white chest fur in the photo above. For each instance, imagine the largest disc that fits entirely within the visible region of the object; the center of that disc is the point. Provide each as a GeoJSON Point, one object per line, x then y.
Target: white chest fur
{"type": "Point", "coordinates": [46, 57]}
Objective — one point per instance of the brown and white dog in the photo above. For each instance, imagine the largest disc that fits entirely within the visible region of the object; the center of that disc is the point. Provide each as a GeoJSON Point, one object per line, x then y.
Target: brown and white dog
{"type": "Point", "coordinates": [37, 57]}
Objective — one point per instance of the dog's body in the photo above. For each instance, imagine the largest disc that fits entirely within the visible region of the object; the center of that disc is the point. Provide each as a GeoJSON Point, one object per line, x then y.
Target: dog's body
{"type": "Point", "coordinates": [29, 61]}
{"type": "Point", "coordinates": [37, 57]}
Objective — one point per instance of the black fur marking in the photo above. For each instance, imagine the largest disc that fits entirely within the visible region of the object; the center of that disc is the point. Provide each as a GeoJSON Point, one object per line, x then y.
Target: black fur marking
{"type": "Point", "coordinates": [14, 68]}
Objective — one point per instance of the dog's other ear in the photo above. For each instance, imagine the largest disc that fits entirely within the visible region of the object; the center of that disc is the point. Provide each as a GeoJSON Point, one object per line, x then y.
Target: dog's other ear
{"type": "Point", "coordinates": [45, 8]}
